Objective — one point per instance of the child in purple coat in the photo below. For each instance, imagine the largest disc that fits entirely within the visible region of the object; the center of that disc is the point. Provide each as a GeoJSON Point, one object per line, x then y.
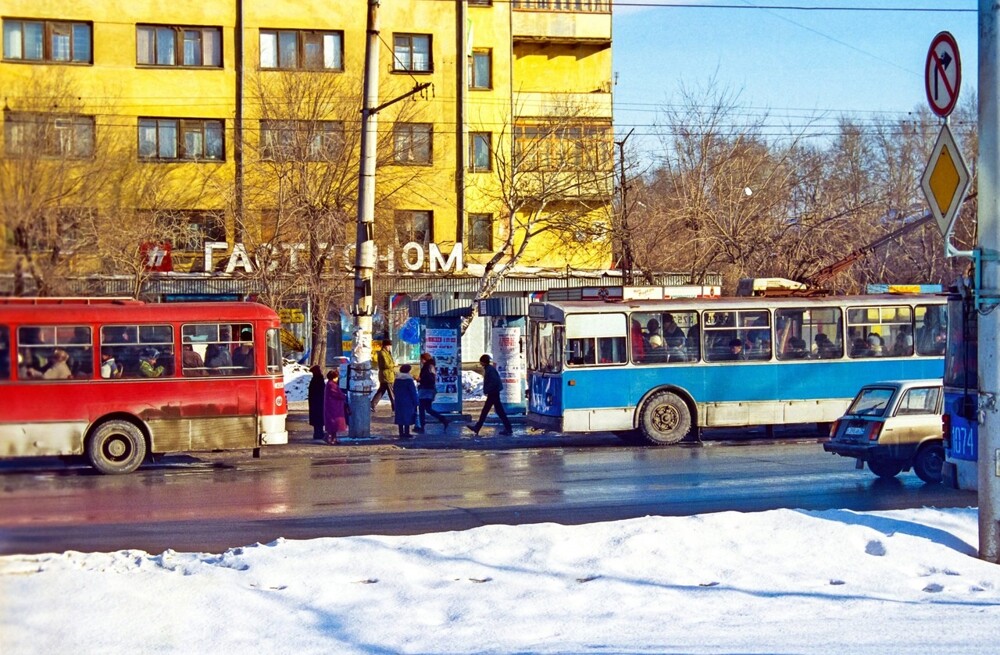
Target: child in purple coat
{"type": "Point", "coordinates": [334, 407]}
{"type": "Point", "coordinates": [405, 390]}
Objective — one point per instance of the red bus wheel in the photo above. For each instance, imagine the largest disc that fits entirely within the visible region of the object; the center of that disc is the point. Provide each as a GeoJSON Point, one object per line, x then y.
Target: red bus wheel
{"type": "Point", "coordinates": [116, 447]}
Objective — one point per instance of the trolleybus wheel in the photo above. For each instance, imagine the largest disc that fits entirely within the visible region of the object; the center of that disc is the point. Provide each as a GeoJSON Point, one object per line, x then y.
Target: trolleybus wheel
{"type": "Point", "coordinates": [929, 463]}
{"type": "Point", "coordinates": [885, 468]}
{"type": "Point", "coordinates": [116, 447]}
{"type": "Point", "coordinates": [665, 419]}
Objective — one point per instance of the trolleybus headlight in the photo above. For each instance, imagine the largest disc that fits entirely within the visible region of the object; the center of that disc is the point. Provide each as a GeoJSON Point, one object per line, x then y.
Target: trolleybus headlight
{"type": "Point", "coordinates": [279, 401]}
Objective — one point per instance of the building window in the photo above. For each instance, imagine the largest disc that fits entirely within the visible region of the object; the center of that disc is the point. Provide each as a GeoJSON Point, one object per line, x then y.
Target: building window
{"type": "Point", "coordinates": [481, 70]}
{"type": "Point", "coordinates": [480, 3]}
{"type": "Point", "coordinates": [181, 138]}
{"type": "Point", "coordinates": [301, 140]}
{"type": "Point", "coordinates": [480, 233]}
{"type": "Point", "coordinates": [47, 40]}
{"type": "Point", "coordinates": [412, 143]}
{"type": "Point", "coordinates": [194, 228]}
{"type": "Point", "coordinates": [412, 53]}
{"type": "Point", "coordinates": [164, 45]}
{"type": "Point", "coordinates": [49, 135]}
{"type": "Point", "coordinates": [480, 152]}
{"type": "Point", "coordinates": [301, 49]}
{"type": "Point", "coordinates": [416, 226]}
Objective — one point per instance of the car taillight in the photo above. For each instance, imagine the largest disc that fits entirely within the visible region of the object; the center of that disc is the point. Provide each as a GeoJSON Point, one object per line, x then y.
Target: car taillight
{"type": "Point", "coordinates": [834, 427]}
{"type": "Point", "coordinates": [875, 430]}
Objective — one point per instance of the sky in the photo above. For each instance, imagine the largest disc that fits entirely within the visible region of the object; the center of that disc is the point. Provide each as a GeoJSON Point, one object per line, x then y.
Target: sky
{"type": "Point", "coordinates": [781, 581]}
{"type": "Point", "coordinates": [789, 64]}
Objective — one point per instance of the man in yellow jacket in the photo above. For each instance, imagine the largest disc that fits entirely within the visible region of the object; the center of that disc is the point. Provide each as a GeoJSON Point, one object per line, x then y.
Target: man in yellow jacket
{"type": "Point", "coordinates": [386, 374]}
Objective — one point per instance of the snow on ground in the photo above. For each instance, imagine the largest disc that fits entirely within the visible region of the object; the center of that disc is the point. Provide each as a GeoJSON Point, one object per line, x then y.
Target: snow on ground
{"type": "Point", "coordinates": [297, 384]}
{"type": "Point", "coordinates": [782, 581]}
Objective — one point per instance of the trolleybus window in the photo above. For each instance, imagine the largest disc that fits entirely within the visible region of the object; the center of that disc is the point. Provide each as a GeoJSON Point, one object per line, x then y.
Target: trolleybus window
{"type": "Point", "coordinates": [668, 336]}
{"type": "Point", "coordinates": [879, 331]}
{"type": "Point", "coordinates": [545, 347]}
{"type": "Point", "coordinates": [808, 332]}
{"type": "Point", "coordinates": [931, 335]}
{"type": "Point", "coordinates": [48, 352]}
{"type": "Point", "coordinates": [595, 339]}
{"type": "Point", "coordinates": [737, 335]}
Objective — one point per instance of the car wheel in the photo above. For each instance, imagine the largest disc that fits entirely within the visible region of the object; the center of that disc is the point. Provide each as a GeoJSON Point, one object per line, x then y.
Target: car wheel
{"type": "Point", "coordinates": [929, 463]}
{"type": "Point", "coordinates": [116, 447]}
{"type": "Point", "coordinates": [885, 468]}
{"type": "Point", "coordinates": [666, 419]}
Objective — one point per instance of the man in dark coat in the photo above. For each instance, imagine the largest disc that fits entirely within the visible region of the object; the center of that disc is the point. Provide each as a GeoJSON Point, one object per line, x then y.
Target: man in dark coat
{"type": "Point", "coordinates": [317, 386]}
{"type": "Point", "coordinates": [492, 385]}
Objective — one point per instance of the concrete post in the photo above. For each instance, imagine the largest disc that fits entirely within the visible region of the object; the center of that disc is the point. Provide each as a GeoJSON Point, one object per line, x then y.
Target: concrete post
{"type": "Point", "coordinates": [989, 245]}
{"type": "Point", "coordinates": [360, 387]}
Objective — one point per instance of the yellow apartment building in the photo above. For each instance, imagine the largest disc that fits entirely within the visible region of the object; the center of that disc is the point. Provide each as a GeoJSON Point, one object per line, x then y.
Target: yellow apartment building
{"type": "Point", "coordinates": [183, 148]}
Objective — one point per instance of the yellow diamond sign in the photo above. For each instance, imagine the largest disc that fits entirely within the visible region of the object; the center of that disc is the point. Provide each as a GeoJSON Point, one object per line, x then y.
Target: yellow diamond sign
{"type": "Point", "coordinates": [945, 180]}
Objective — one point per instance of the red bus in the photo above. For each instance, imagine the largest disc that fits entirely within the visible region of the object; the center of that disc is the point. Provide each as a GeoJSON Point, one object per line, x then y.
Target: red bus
{"type": "Point", "coordinates": [117, 380]}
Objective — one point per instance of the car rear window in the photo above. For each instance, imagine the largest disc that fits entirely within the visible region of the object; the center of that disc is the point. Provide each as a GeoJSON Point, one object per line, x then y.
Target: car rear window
{"type": "Point", "coordinates": [871, 401]}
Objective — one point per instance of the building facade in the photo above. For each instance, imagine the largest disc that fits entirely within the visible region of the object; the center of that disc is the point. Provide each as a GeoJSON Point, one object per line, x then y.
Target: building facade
{"type": "Point", "coordinates": [211, 147]}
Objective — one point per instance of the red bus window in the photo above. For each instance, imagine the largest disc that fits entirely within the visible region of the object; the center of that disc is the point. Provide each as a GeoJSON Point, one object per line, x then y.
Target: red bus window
{"type": "Point", "coordinates": [4, 353]}
{"type": "Point", "coordinates": [54, 353]}
{"type": "Point", "coordinates": [137, 351]}
{"type": "Point", "coordinates": [218, 349]}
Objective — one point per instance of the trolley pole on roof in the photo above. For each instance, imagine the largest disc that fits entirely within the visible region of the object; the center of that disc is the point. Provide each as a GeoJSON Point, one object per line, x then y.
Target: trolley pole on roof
{"type": "Point", "coordinates": [360, 386]}
{"type": "Point", "coordinates": [989, 291]}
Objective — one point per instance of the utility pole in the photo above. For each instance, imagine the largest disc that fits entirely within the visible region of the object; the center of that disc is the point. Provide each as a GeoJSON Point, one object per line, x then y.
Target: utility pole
{"type": "Point", "coordinates": [989, 246]}
{"type": "Point", "coordinates": [360, 386]}
{"type": "Point", "coordinates": [359, 373]}
{"type": "Point", "coordinates": [624, 238]}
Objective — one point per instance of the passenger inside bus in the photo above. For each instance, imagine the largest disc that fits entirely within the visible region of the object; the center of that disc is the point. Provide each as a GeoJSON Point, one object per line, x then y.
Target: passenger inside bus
{"type": "Point", "coordinates": [795, 349]}
{"type": "Point", "coordinates": [110, 367]}
{"type": "Point", "coordinates": [148, 367]}
{"type": "Point", "coordinates": [59, 369]}
{"type": "Point", "coordinates": [903, 347]}
{"type": "Point", "coordinates": [191, 361]}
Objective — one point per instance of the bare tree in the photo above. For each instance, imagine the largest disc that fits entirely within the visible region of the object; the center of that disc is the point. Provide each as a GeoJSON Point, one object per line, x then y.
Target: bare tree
{"type": "Point", "coordinates": [721, 197]}
{"type": "Point", "coordinates": [301, 188]}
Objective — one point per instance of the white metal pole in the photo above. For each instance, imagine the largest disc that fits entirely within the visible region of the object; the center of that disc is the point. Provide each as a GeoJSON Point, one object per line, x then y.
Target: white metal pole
{"type": "Point", "coordinates": [989, 245]}
{"type": "Point", "coordinates": [364, 260]}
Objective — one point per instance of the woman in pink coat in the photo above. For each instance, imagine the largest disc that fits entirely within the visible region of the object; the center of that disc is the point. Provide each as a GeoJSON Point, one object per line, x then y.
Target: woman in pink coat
{"type": "Point", "coordinates": [334, 407]}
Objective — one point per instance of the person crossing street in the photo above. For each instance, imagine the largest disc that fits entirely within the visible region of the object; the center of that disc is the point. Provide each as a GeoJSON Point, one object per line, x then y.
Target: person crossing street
{"type": "Point", "coordinates": [492, 385]}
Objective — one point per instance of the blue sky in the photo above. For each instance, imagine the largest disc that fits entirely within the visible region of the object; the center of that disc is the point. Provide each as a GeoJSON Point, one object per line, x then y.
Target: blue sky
{"type": "Point", "coordinates": [788, 63]}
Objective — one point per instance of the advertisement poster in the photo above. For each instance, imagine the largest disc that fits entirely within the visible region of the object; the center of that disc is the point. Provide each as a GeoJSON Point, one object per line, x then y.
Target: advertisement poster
{"type": "Point", "coordinates": [442, 344]}
{"type": "Point", "coordinates": [509, 363]}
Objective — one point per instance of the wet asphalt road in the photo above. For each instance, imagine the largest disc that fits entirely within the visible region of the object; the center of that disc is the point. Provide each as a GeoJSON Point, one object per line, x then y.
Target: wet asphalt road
{"type": "Point", "coordinates": [440, 481]}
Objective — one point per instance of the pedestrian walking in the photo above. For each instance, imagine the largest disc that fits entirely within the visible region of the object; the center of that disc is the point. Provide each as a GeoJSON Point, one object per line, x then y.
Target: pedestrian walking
{"type": "Point", "coordinates": [386, 375]}
{"type": "Point", "coordinates": [317, 385]}
{"type": "Point", "coordinates": [405, 390]}
{"type": "Point", "coordinates": [335, 409]}
{"type": "Point", "coordinates": [492, 385]}
{"type": "Point", "coordinates": [426, 390]}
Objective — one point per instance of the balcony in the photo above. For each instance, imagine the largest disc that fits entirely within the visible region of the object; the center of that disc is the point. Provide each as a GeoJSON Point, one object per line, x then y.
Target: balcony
{"type": "Point", "coordinates": [561, 21]}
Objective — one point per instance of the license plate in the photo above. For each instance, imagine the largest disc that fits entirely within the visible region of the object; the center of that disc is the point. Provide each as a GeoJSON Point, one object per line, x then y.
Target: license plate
{"type": "Point", "coordinates": [854, 431]}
